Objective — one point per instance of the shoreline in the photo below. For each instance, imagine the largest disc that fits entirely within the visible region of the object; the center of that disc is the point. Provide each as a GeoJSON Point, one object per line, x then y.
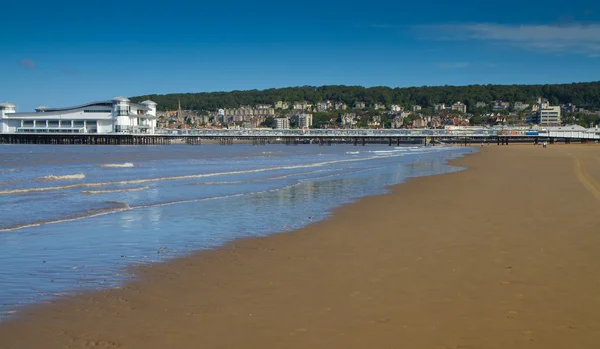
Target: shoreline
{"type": "Point", "coordinates": [294, 281]}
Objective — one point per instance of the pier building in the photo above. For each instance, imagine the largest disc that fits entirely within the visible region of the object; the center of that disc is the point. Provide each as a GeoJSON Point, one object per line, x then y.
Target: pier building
{"type": "Point", "coordinates": [118, 115]}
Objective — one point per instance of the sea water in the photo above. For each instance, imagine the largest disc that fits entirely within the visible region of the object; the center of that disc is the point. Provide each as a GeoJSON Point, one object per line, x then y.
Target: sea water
{"type": "Point", "coordinates": [74, 217]}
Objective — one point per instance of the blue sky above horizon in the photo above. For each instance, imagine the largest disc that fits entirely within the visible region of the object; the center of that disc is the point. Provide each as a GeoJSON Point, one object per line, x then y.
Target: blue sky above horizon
{"type": "Point", "coordinates": [70, 52]}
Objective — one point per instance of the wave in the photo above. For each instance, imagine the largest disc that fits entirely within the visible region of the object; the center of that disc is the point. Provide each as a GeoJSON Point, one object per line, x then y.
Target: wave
{"type": "Point", "coordinates": [193, 176]}
{"type": "Point", "coordinates": [61, 178]}
{"type": "Point", "coordinates": [117, 207]}
{"type": "Point", "coordinates": [92, 192]}
{"type": "Point", "coordinates": [352, 152]}
{"type": "Point", "coordinates": [123, 165]}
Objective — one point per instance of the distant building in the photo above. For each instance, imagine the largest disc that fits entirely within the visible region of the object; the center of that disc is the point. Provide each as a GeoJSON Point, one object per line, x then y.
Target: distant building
{"type": "Point", "coordinates": [439, 107]}
{"type": "Point", "coordinates": [281, 123]}
{"type": "Point", "coordinates": [460, 107]}
{"type": "Point", "coordinates": [545, 114]}
{"type": "Point", "coordinates": [549, 115]}
{"type": "Point", "coordinates": [263, 106]}
{"type": "Point", "coordinates": [341, 106]}
{"type": "Point", "coordinates": [416, 108]}
{"type": "Point", "coordinates": [301, 105]}
{"type": "Point", "coordinates": [480, 104]}
{"type": "Point", "coordinates": [246, 113]}
{"type": "Point", "coordinates": [375, 121]}
{"type": "Point", "coordinates": [359, 105]}
{"type": "Point", "coordinates": [322, 106]}
{"type": "Point", "coordinates": [396, 108]}
{"type": "Point", "coordinates": [378, 106]}
{"type": "Point", "coordinates": [501, 105]}
{"type": "Point", "coordinates": [349, 119]}
{"type": "Point", "coordinates": [569, 108]}
{"type": "Point", "coordinates": [304, 120]}
{"type": "Point", "coordinates": [282, 105]}
{"type": "Point", "coordinates": [419, 123]}
{"type": "Point", "coordinates": [520, 106]}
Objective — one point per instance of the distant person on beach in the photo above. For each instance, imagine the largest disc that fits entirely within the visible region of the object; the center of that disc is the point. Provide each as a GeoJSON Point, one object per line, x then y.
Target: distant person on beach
{"type": "Point", "coordinates": [545, 144]}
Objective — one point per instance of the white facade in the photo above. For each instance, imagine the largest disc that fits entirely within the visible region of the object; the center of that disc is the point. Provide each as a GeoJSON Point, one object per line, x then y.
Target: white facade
{"type": "Point", "coordinates": [549, 115]}
{"type": "Point", "coordinates": [282, 123]}
{"type": "Point", "coordinates": [117, 115]}
{"type": "Point", "coordinates": [304, 120]}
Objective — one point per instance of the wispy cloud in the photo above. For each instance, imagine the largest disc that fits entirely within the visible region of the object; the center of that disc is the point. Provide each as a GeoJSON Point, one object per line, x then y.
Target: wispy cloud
{"type": "Point", "coordinates": [27, 63]}
{"type": "Point", "coordinates": [576, 38]}
{"type": "Point", "coordinates": [452, 65]}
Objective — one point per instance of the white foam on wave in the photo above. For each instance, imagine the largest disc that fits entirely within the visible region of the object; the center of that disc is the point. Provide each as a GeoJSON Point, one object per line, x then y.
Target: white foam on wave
{"type": "Point", "coordinates": [92, 192]}
{"type": "Point", "coordinates": [121, 206]}
{"type": "Point", "coordinates": [193, 176]}
{"type": "Point", "coordinates": [123, 165]}
{"type": "Point", "coordinates": [61, 178]}
{"type": "Point", "coordinates": [352, 152]}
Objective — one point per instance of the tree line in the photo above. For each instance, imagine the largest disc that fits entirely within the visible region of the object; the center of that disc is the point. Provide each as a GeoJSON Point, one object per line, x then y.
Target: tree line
{"type": "Point", "coordinates": [585, 95]}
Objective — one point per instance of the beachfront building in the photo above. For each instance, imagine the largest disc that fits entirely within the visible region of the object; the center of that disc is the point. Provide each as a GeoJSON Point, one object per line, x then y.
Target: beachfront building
{"type": "Point", "coordinates": [116, 115]}
{"type": "Point", "coordinates": [304, 120]}
{"type": "Point", "coordinates": [281, 123]}
{"type": "Point", "coordinates": [549, 115]}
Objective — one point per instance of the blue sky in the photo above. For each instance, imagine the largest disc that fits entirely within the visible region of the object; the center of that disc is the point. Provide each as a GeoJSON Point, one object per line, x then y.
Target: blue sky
{"type": "Point", "coordinates": [61, 53]}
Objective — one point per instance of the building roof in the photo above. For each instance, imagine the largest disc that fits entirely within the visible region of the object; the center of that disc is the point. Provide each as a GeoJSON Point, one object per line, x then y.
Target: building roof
{"type": "Point", "coordinates": [7, 105]}
{"type": "Point", "coordinates": [41, 108]}
{"type": "Point", "coordinates": [140, 106]}
{"type": "Point", "coordinates": [148, 102]}
{"type": "Point", "coordinates": [120, 99]}
{"type": "Point", "coordinates": [103, 103]}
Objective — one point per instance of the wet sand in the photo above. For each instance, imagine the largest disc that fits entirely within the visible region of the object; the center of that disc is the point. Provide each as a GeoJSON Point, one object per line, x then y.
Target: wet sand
{"type": "Point", "coordinates": [503, 255]}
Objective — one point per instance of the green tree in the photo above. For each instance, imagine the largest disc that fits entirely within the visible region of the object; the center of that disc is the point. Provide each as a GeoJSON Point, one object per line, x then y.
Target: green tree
{"type": "Point", "coordinates": [269, 122]}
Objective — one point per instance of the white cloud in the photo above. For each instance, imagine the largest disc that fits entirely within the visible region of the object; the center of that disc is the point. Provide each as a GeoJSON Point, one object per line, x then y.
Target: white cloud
{"type": "Point", "coordinates": [581, 39]}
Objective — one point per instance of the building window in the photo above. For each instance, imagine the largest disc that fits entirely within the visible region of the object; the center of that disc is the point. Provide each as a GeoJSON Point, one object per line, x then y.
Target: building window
{"type": "Point", "coordinates": [95, 111]}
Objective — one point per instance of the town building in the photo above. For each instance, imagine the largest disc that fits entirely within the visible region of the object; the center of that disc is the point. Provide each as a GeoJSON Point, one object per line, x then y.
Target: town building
{"type": "Point", "coordinates": [282, 105]}
{"type": "Point", "coordinates": [439, 107]}
{"type": "Point", "coordinates": [545, 114]}
{"type": "Point", "coordinates": [304, 105]}
{"type": "Point", "coordinates": [481, 105]}
{"type": "Point", "coordinates": [569, 108]}
{"type": "Point", "coordinates": [359, 105]}
{"type": "Point", "coordinates": [520, 106]}
{"type": "Point", "coordinates": [304, 120]}
{"type": "Point", "coordinates": [116, 115]}
{"type": "Point", "coordinates": [460, 107]}
{"type": "Point", "coordinates": [416, 108]}
{"type": "Point", "coordinates": [375, 121]}
{"type": "Point", "coordinates": [419, 123]}
{"type": "Point", "coordinates": [377, 106]}
{"type": "Point", "coordinates": [396, 108]}
{"type": "Point", "coordinates": [501, 105]}
{"type": "Point", "coordinates": [281, 123]}
{"type": "Point", "coordinates": [341, 106]}
{"type": "Point", "coordinates": [323, 106]}
{"type": "Point", "coordinates": [246, 113]}
{"type": "Point", "coordinates": [349, 119]}
{"type": "Point", "coordinates": [549, 115]}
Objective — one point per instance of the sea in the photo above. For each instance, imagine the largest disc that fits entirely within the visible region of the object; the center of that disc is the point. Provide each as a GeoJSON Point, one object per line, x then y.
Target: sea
{"type": "Point", "coordinates": [74, 218]}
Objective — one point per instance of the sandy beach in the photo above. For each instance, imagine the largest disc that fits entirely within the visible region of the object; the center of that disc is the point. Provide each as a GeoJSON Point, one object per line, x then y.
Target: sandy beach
{"type": "Point", "coordinates": [502, 255]}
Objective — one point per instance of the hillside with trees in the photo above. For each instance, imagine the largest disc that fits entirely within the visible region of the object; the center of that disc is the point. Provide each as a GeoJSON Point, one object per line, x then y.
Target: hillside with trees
{"type": "Point", "coordinates": [585, 95]}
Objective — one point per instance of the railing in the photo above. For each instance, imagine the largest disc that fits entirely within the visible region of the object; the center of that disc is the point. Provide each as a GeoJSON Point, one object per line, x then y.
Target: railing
{"type": "Point", "coordinates": [402, 133]}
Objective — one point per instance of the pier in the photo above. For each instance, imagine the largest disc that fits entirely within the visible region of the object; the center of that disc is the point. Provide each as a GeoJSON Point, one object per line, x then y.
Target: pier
{"type": "Point", "coordinates": [391, 137]}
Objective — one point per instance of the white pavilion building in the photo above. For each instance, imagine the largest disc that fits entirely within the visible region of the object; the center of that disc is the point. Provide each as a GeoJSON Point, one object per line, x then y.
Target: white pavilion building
{"type": "Point", "coordinates": [118, 115]}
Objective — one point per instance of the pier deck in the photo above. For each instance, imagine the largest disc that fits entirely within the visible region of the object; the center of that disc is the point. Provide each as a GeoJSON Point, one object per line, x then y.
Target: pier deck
{"type": "Point", "coordinates": [320, 136]}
